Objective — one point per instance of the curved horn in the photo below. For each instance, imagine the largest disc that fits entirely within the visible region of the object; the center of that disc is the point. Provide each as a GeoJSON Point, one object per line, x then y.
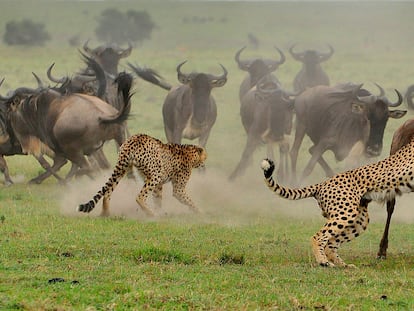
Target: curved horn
{"type": "Point", "coordinates": [127, 51]}
{"type": "Point", "coordinates": [4, 98]}
{"type": "Point", "coordinates": [398, 102]}
{"type": "Point", "coordinates": [183, 78]}
{"type": "Point", "coordinates": [326, 56]}
{"type": "Point", "coordinates": [282, 56]}
{"type": "Point", "coordinates": [86, 47]}
{"type": "Point", "coordinates": [273, 65]}
{"type": "Point", "coordinates": [382, 92]}
{"type": "Point", "coordinates": [296, 56]}
{"type": "Point", "coordinates": [243, 65]}
{"type": "Point", "coordinates": [53, 79]}
{"type": "Point", "coordinates": [223, 76]}
{"type": "Point", "coordinates": [39, 82]}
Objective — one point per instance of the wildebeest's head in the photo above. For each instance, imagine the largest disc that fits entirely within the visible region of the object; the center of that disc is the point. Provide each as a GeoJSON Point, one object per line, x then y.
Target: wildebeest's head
{"type": "Point", "coordinates": [376, 109]}
{"type": "Point", "coordinates": [311, 57]}
{"type": "Point", "coordinates": [91, 84]}
{"type": "Point", "coordinates": [258, 67]}
{"type": "Point", "coordinates": [201, 85]}
{"type": "Point", "coordinates": [108, 56]}
{"type": "Point", "coordinates": [280, 108]}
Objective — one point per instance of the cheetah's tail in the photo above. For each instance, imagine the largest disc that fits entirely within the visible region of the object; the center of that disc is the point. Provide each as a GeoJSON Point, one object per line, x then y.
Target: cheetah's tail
{"type": "Point", "coordinates": [88, 207]}
{"type": "Point", "coordinates": [268, 168]}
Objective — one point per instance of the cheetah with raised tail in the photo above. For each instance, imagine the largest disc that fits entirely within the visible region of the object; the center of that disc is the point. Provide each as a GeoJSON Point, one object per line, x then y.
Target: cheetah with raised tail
{"type": "Point", "coordinates": [158, 163]}
{"type": "Point", "coordinates": [344, 199]}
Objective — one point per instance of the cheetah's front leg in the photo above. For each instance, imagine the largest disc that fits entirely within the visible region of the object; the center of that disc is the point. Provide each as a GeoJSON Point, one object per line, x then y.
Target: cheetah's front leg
{"type": "Point", "coordinates": [180, 194]}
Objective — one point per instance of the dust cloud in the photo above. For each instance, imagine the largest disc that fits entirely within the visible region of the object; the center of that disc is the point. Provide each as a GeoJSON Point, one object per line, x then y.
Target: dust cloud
{"type": "Point", "coordinates": [243, 202]}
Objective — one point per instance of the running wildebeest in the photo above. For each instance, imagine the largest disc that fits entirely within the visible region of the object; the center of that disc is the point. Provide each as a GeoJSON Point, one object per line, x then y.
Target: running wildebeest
{"type": "Point", "coordinates": [256, 69]}
{"type": "Point", "coordinates": [66, 127]}
{"type": "Point", "coordinates": [337, 118]}
{"type": "Point", "coordinates": [189, 110]}
{"type": "Point", "coordinates": [311, 73]}
{"type": "Point", "coordinates": [266, 112]}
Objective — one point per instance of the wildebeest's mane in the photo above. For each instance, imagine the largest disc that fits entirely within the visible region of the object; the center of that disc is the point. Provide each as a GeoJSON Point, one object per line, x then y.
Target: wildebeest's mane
{"type": "Point", "coordinates": [35, 110]}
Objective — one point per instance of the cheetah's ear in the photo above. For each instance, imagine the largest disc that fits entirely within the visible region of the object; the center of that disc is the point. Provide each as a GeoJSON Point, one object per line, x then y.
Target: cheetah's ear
{"type": "Point", "coordinates": [202, 153]}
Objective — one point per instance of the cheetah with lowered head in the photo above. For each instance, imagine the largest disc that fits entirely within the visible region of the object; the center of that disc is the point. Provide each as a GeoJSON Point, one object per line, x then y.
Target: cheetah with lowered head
{"type": "Point", "coordinates": [344, 199]}
{"type": "Point", "coordinates": [158, 163]}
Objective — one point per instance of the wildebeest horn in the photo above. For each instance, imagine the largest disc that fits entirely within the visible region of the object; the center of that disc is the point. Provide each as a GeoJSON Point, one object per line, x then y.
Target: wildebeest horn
{"type": "Point", "coordinates": [295, 55]}
{"type": "Point", "coordinates": [1, 96]}
{"type": "Point", "coordinates": [183, 78]}
{"type": "Point", "coordinates": [86, 47]}
{"type": "Point", "coordinates": [282, 56]}
{"type": "Point", "coordinates": [398, 102]}
{"type": "Point", "coordinates": [223, 76]}
{"type": "Point", "coordinates": [53, 79]}
{"type": "Point", "coordinates": [243, 65]}
{"type": "Point", "coordinates": [382, 92]}
{"type": "Point", "coordinates": [39, 82]}
{"type": "Point", "coordinates": [126, 52]}
{"type": "Point", "coordinates": [326, 56]}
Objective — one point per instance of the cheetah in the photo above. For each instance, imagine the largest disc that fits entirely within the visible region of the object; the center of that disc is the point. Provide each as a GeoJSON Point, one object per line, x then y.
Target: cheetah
{"type": "Point", "coordinates": [157, 163]}
{"type": "Point", "coordinates": [344, 199]}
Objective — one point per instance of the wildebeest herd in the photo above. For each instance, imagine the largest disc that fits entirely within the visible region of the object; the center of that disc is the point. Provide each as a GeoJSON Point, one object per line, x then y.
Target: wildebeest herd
{"type": "Point", "coordinates": [71, 120]}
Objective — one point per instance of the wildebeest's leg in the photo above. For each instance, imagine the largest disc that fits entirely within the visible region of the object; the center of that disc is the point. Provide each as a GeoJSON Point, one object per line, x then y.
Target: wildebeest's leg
{"type": "Point", "coordinates": [251, 145]}
{"type": "Point", "coordinates": [382, 252]}
{"type": "Point", "coordinates": [149, 186]}
{"type": "Point", "coordinates": [299, 135]}
{"type": "Point", "coordinates": [284, 160]}
{"type": "Point", "coordinates": [100, 157]}
{"type": "Point", "coordinates": [328, 170]}
{"type": "Point", "coordinates": [316, 151]}
{"type": "Point", "coordinates": [173, 135]}
{"type": "Point", "coordinates": [202, 140]}
{"type": "Point", "coordinates": [5, 170]}
{"type": "Point", "coordinates": [58, 162]}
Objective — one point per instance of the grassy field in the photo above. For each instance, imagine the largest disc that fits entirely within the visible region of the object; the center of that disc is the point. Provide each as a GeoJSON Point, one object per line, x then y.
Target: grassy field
{"type": "Point", "coordinates": [248, 250]}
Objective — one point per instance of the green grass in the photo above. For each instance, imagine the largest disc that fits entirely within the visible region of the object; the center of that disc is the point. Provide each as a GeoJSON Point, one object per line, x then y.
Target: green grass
{"type": "Point", "coordinates": [249, 250]}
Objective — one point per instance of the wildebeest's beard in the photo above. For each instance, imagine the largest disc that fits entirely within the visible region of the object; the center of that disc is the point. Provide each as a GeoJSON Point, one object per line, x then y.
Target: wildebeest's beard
{"type": "Point", "coordinates": [258, 70]}
{"type": "Point", "coordinates": [376, 135]}
{"type": "Point", "coordinates": [280, 116]}
{"type": "Point", "coordinates": [201, 96]}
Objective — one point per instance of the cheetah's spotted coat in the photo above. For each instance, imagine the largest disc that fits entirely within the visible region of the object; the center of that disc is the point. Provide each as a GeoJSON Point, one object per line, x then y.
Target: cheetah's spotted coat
{"type": "Point", "coordinates": [158, 163]}
{"type": "Point", "coordinates": [344, 199]}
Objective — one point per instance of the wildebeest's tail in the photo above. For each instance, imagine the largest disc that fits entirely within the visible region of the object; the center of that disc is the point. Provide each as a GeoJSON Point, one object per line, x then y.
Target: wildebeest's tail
{"type": "Point", "coordinates": [120, 170]}
{"type": "Point", "coordinates": [124, 81]}
{"type": "Point", "coordinates": [150, 75]}
{"type": "Point", "coordinates": [292, 194]}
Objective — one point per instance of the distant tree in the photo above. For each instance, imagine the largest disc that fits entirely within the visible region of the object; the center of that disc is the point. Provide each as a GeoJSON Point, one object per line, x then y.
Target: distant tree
{"type": "Point", "coordinates": [25, 32]}
{"type": "Point", "coordinates": [115, 26]}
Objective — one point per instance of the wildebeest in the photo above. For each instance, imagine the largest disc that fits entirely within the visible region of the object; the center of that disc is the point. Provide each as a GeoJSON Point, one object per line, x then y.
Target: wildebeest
{"type": "Point", "coordinates": [266, 112]}
{"type": "Point", "coordinates": [311, 73]}
{"type": "Point", "coordinates": [66, 127]}
{"type": "Point", "coordinates": [108, 56]}
{"type": "Point", "coordinates": [102, 69]}
{"type": "Point", "coordinates": [189, 110]}
{"type": "Point", "coordinates": [9, 144]}
{"type": "Point", "coordinates": [337, 118]}
{"type": "Point", "coordinates": [402, 136]}
{"type": "Point", "coordinates": [256, 68]}
{"type": "Point", "coordinates": [409, 96]}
